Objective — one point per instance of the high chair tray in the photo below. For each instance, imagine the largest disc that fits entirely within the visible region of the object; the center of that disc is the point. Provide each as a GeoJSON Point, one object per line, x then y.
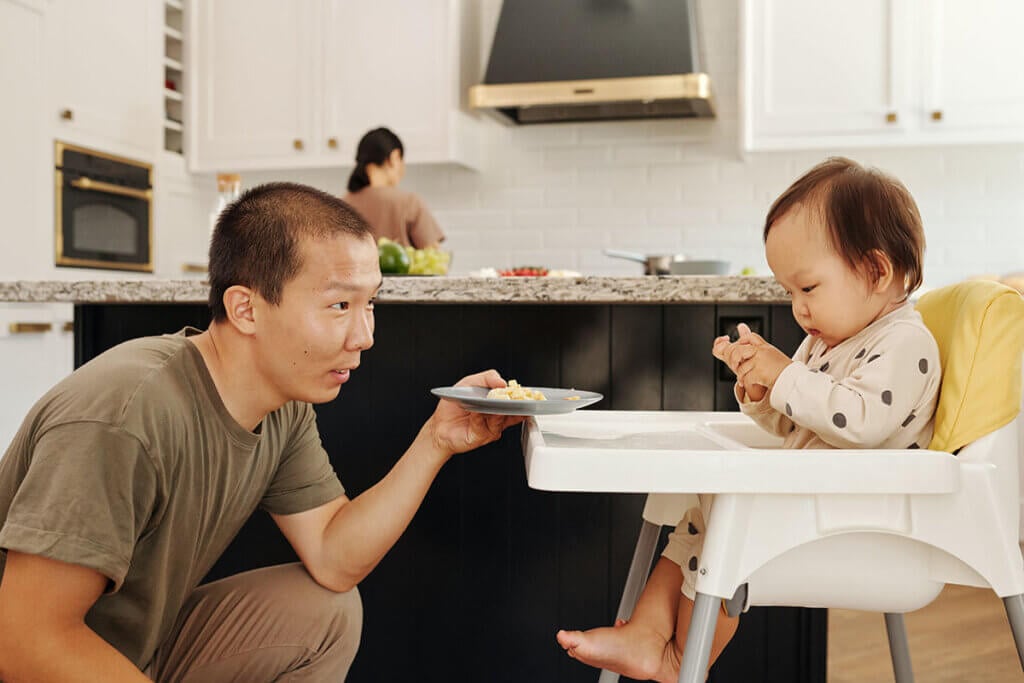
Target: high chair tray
{"type": "Point", "coordinates": [711, 452]}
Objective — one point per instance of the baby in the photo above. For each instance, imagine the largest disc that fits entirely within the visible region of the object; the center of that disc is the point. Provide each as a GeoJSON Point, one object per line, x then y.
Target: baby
{"type": "Point", "coordinates": [846, 243]}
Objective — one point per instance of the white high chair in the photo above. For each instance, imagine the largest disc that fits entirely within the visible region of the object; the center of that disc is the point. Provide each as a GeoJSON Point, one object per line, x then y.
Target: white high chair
{"type": "Point", "coordinates": [878, 530]}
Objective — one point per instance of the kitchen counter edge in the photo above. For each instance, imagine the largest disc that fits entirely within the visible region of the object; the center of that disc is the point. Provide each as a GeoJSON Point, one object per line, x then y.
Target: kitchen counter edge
{"type": "Point", "coordinates": [438, 290]}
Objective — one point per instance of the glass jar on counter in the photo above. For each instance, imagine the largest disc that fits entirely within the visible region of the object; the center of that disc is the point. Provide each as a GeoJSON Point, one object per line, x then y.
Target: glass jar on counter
{"type": "Point", "coordinates": [229, 186]}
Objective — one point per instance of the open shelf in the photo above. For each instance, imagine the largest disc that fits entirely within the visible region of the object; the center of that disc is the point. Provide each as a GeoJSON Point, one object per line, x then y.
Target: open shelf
{"type": "Point", "coordinates": [174, 75]}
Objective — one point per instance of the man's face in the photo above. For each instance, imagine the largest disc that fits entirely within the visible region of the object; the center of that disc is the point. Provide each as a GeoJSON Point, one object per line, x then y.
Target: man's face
{"type": "Point", "coordinates": [310, 342]}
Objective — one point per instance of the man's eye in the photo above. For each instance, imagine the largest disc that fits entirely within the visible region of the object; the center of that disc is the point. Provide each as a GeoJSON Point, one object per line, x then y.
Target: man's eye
{"type": "Point", "coordinates": [807, 290]}
{"type": "Point", "coordinates": [341, 306]}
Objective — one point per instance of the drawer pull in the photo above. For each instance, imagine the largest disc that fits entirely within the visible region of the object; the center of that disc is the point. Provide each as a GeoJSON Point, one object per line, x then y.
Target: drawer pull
{"type": "Point", "coordinates": [69, 326]}
{"type": "Point", "coordinates": [29, 328]}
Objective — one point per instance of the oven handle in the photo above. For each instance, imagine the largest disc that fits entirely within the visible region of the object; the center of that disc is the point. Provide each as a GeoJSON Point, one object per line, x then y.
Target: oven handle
{"type": "Point", "coordinates": [84, 183]}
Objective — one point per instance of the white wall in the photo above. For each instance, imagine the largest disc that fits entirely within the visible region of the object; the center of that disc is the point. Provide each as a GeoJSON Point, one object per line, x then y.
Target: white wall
{"type": "Point", "coordinates": [555, 195]}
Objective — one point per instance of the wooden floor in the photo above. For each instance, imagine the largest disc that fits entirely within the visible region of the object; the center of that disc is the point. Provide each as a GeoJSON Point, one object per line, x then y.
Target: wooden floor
{"type": "Point", "coordinates": [962, 637]}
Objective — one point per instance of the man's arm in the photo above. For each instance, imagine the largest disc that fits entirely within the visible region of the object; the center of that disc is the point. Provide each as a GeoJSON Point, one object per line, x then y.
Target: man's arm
{"type": "Point", "coordinates": [43, 636]}
{"type": "Point", "coordinates": [342, 541]}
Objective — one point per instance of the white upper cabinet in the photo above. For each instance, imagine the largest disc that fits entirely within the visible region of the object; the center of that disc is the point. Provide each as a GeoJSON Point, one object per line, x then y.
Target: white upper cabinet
{"type": "Point", "coordinates": [254, 68]}
{"type": "Point", "coordinates": [973, 75]}
{"type": "Point", "coordinates": [832, 73]}
{"type": "Point", "coordinates": [295, 85]}
{"type": "Point", "coordinates": [106, 75]}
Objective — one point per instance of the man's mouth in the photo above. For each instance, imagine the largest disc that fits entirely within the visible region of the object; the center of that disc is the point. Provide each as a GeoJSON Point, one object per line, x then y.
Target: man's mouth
{"type": "Point", "coordinates": [813, 332]}
{"type": "Point", "coordinates": [341, 375]}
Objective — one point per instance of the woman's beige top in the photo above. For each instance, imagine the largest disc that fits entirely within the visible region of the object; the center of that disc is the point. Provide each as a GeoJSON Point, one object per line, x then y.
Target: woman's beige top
{"type": "Point", "coordinates": [398, 215]}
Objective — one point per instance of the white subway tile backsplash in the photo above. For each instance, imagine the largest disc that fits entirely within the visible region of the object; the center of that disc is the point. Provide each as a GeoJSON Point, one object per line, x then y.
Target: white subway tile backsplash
{"type": "Point", "coordinates": [613, 216]}
{"type": "Point", "coordinates": [573, 157]}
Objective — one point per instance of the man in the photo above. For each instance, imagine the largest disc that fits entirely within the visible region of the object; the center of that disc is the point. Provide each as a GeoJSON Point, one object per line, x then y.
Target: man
{"type": "Point", "coordinates": [129, 478]}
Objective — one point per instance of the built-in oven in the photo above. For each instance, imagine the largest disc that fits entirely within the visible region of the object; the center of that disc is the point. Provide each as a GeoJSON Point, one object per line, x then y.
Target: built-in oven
{"type": "Point", "coordinates": [104, 210]}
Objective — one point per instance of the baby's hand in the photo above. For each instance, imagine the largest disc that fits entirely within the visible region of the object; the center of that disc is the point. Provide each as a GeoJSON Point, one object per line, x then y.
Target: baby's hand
{"type": "Point", "coordinates": [733, 353]}
{"type": "Point", "coordinates": [761, 368]}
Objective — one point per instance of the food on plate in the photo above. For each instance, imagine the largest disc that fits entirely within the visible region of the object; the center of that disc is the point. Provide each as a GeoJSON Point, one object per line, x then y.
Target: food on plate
{"type": "Point", "coordinates": [572, 398]}
{"type": "Point", "coordinates": [515, 392]}
{"type": "Point", "coordinates": [527, 271]}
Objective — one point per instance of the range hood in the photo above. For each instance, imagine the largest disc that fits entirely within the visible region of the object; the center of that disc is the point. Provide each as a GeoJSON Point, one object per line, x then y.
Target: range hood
{"type": "Point", "coordinates": [587, 60]}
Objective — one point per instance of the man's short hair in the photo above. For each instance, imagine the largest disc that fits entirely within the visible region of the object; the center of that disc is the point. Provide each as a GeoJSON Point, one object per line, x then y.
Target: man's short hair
{"type": "Point", "coordinates": [255, 242]}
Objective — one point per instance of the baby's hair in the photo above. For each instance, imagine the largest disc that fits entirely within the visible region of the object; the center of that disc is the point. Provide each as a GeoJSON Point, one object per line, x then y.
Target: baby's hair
{"type": "Point", "coordinates": [865, 210]}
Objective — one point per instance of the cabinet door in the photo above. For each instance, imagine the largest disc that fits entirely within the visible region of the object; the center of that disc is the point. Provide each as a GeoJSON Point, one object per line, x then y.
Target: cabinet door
{"type": "Point", "coordinates": [389, 63]}
{"type": "Point", "coordinates": [971, 66]}
{"type": "Point", "coordinates": [27, 158]}
{"type": "Point", "coordinates": [821, 68]}
{"type": "Point", "coordinates": [32, 358]}
{"type": "Point", "coordinates": [107, 74]}
{"type": "Point", "coordinates": [251, 92]}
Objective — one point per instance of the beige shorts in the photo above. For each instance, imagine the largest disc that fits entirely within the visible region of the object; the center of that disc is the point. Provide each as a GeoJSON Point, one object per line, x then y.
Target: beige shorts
{"type": "Point", "coordinates": [686, 543]}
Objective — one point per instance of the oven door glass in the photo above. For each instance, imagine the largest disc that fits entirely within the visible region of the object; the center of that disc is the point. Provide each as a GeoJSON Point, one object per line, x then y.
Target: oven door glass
{"type": "Point", "coordinates": [104, 230]}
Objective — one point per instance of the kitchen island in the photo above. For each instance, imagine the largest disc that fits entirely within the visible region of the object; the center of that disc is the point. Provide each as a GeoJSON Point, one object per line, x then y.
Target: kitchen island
{"type": "Point", "coordinates": [489, 569]}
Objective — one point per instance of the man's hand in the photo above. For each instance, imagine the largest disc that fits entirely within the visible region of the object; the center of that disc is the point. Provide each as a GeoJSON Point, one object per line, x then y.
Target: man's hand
{"type": "Point", "coordinates": [455, 430]}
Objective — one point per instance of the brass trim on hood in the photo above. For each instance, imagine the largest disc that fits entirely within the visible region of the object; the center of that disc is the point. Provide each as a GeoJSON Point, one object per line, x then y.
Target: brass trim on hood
{"type": "Point", "coordinates": [647, 88]}
{"type": "Point", "coordinates": [693, 89]}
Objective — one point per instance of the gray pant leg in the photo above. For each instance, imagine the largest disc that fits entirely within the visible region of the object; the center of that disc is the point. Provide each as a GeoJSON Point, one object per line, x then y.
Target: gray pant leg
{"type": "Point", "coordinates": [271, 624]}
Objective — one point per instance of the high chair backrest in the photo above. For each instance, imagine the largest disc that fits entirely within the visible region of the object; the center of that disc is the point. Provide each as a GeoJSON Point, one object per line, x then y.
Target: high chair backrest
{"type": "Point", "coordinates": [979, 328]}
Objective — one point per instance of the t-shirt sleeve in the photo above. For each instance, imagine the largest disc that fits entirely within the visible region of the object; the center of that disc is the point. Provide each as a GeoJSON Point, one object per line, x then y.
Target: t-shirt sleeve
{"type": "Point", "coordinates": [304, 479]}
{"type": "Point", "coordinates": [762, 412]}
{"type": "Point", "coordinates": [871, 404]}
{"type": "Point", "coordinates": [423, 229]}
{"type": "Point", "coordinates": [89, 494]}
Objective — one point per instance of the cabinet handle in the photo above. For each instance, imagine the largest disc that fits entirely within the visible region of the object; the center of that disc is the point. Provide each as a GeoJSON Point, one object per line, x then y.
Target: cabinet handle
{"type": "Point", "coordinates": [332, 143]}
{"type": "Point", "coordinates": [85, 183]}
{"type": "Point", "coordinates": [29, 328]}
{"type": "Point", "coordinates": [297, 143]}
{"type": "Point", "coordinates": [891, 117]}
{"type": "Point", "coordinates": [69, 326]}
{"type": "Point", "coordinates": [67, 114]}
{"type": "Point", "coordinates": [937, 115]}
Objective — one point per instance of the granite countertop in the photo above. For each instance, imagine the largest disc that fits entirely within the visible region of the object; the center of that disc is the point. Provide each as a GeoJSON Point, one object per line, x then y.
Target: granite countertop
{"type": "Point", "coordinates": [440, 290]}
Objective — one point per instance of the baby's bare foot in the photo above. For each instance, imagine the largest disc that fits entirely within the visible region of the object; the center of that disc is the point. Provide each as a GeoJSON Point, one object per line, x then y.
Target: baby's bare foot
{"type": "Point", "coordinates": [627, 649]}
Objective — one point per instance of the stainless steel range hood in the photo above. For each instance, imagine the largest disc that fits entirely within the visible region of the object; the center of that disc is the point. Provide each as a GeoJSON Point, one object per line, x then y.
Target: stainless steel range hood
{"type": "Point", "coordinates": [586, 60]}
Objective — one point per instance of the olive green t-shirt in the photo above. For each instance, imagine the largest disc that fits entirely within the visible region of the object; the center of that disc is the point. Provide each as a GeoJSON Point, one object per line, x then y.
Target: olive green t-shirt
{"type": "Point", "coordinates": [132, 466]}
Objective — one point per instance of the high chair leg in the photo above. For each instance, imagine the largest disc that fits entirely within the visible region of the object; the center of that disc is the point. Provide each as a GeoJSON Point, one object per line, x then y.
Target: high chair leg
{"type": "Point", "coordinates": [898, 648]}
{"type": "Point", "coordinates": [643, 554]}
{"type": "Point", "coordinates": [694, 668]}
{"type": "Point", "coordinates": [1015, 613]}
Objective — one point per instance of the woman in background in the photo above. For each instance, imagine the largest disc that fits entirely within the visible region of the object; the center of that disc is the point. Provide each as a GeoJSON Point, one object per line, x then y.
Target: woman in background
{"type": "Point", "coordinates": [373, 191]}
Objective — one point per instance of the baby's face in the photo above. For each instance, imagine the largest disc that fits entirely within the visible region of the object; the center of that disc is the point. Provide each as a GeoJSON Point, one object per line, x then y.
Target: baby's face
{"type": "Point", "coordinates": [831, 300]}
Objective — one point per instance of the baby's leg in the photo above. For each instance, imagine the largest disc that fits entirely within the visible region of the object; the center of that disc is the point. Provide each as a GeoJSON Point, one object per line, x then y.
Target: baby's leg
{"type": "Point", "coordinates": [725, 629]}
{"type": "Point", "coordinates": [643, 647]}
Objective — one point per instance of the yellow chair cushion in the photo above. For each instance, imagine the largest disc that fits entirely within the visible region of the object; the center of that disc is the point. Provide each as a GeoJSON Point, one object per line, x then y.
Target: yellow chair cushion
{"type": "Point", "coordinates": [979, 327]}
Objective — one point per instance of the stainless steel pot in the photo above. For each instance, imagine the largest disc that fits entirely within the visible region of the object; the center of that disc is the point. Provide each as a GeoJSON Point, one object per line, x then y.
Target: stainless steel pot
{"type": "Point", "coordinates": [657, 264]}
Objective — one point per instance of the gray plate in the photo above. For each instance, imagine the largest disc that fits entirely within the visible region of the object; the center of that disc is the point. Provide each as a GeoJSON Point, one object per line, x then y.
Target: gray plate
{"type": "Point", "coordinates": [474, 399]}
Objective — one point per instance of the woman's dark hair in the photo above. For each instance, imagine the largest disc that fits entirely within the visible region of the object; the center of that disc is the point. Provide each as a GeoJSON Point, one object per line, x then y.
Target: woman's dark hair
{"type": "Point", "coordinates": [255, 242]}
{"type": "Point", "coordinates": [866, 211]}
{"type": "Point", "coordinates": [375, 148]}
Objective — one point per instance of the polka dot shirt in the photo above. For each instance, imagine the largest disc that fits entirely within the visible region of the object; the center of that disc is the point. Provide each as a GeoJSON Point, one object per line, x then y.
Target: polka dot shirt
{"type": "Point", "coordinates": [877, 389]}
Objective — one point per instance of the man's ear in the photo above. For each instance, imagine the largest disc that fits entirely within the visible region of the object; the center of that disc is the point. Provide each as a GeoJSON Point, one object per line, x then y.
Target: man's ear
{"type": "Point", "coordinates": [882, 267]}
{"type": "Point", "coordinates": [239, 303]}
{"type": "Point", "coordinates": [395, 156]}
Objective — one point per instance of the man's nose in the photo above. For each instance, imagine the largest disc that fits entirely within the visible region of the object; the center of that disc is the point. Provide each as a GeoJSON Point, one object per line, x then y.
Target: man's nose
{"type": "Point", "coordinates": [360, 337]}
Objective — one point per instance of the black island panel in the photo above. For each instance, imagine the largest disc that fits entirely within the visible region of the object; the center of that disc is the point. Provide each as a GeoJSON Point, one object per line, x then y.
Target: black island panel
{"type": "Point", "coordinates": [489, 569]}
